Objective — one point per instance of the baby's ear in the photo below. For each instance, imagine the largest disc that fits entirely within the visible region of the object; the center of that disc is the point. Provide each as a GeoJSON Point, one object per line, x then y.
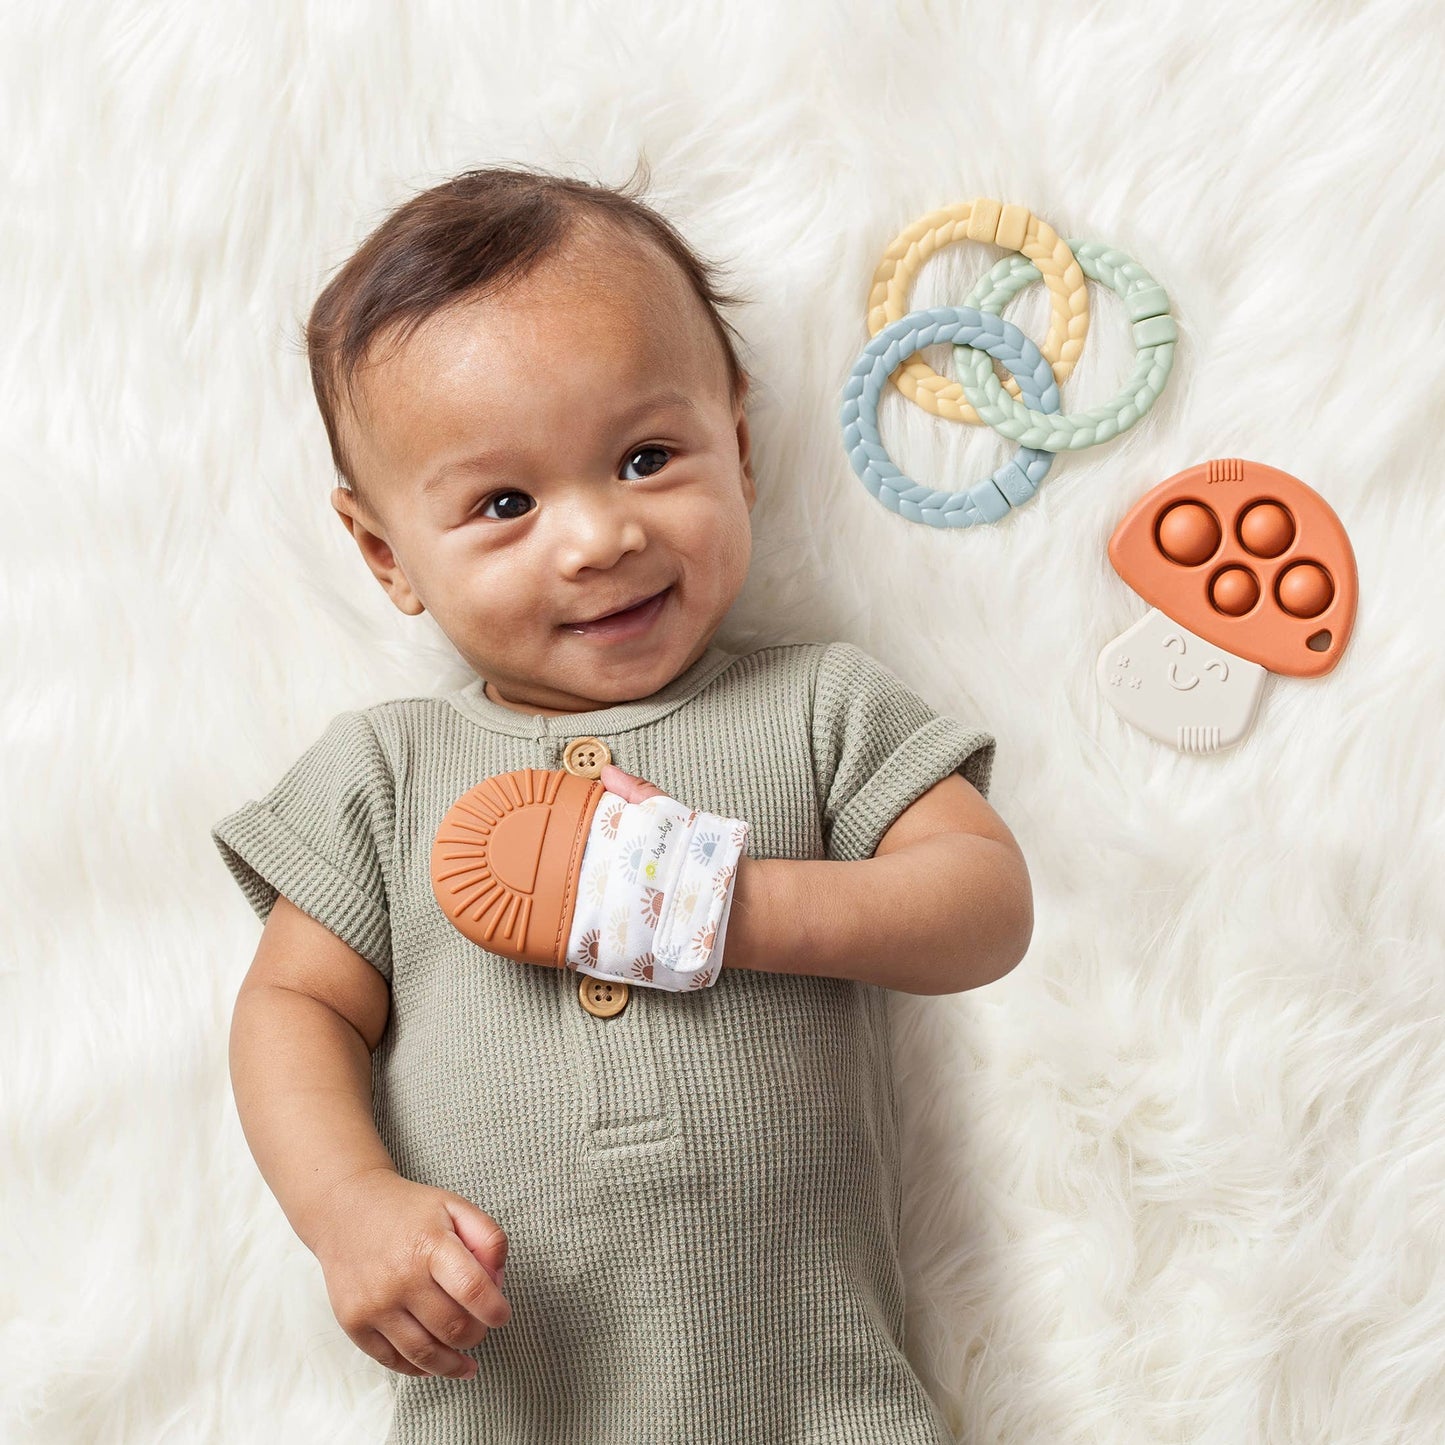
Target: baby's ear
{"type": "Point", "coordinates": [745, 457]}
{"type": "Point", "coordinates": [376, 551]}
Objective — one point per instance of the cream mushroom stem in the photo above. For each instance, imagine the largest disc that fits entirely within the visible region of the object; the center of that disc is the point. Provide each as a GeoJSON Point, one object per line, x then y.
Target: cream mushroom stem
{"type": "Point", "coordinates": [1179, 688]}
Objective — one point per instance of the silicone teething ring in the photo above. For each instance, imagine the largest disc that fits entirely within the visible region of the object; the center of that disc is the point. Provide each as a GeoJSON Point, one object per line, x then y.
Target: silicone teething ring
{"type": "Point", "coordinates": [1155, 335]}
{"type": "Point", "coordinates": [1013, 483]}
{"type": "Point", "coordinates": [982, 219]}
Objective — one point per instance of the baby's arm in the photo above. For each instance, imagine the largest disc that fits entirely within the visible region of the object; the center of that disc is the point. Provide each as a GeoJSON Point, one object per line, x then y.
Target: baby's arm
{"type": "Point", "coordinates": [307, 1017]}
{"type": "Point", "coordinates": [943, 905]}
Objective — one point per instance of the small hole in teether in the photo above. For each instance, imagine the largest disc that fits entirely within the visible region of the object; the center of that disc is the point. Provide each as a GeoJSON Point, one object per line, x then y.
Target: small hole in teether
{"type": "Point", "coordinates": [1318, 642]}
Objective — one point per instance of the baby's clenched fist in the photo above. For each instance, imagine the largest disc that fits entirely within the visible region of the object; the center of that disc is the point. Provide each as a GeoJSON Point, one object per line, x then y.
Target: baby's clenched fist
{"type": "Point", "coordinates": [413, 1273]}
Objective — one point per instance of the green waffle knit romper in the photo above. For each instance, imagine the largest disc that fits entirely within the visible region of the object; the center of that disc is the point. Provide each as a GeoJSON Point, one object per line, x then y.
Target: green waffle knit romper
{"type": "Point", "coordinates": [702, 1192]}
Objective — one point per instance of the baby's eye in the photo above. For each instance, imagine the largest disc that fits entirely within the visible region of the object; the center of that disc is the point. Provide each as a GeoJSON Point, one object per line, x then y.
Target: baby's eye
{"type": "Point", "coordinates": [500, 497]}
{"type": "Point", "coordinates": [653, 460]}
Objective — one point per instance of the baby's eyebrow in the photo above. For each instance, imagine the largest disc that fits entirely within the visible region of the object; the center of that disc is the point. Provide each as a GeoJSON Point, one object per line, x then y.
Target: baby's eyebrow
{"type": "Point", "coordinates": [481, 461]}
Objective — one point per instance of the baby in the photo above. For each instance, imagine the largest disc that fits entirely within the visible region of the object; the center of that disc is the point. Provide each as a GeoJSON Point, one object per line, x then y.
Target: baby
{"type": "Point", "coordinates": [538, 414]}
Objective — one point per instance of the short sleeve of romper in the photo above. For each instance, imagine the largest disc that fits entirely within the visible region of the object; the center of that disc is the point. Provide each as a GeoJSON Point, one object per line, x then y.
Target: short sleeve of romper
{"type": "Point", "coordinates": [322, 837]}
{"type": "Point", "coordinates": [877, 747]}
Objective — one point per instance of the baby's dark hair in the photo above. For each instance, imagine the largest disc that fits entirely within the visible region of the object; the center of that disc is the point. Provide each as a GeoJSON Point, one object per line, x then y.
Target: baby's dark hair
{"type": "Point", "coordinates": [462, 239]}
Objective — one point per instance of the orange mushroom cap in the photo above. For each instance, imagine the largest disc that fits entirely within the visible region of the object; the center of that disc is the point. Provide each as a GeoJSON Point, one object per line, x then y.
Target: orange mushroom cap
{"type": "Point", "coordinates": [1247, 557]}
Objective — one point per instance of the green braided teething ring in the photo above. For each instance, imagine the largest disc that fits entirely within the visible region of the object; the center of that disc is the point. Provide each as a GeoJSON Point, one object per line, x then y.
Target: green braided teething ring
{"type": "Point", "coordinates": [1155, 335]}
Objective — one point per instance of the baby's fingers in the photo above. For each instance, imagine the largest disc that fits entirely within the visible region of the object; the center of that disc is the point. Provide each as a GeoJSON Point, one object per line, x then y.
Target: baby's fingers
{"type": "Point", "coordinates": [631, 787]}
{"type": "Point", "coordinates": [381, 1349]}
{"type": "Point", "coordinates": [414, 1342]}
{"type": "Point", "coordinates": [456, 1269]}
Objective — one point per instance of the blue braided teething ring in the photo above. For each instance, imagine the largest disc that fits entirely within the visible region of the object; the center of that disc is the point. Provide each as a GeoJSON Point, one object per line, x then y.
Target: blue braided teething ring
{"type": "Point", "coordinates": [1013, 483]}
{"type": "Point", "coordinates": [1155, 335]}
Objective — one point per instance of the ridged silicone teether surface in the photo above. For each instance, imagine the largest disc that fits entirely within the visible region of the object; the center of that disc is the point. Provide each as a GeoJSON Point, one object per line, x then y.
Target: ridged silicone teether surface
{"type": "Point", "coordinates": [1155, 336]}
{"type": "Point", "coordinates": [1247, 557]}
{"type": "Point", "coordinates": [986, 501]}
{"type": "Point", "coordinates": [506, 857]}
{"type": "Point", "coordinates": [990, 221]}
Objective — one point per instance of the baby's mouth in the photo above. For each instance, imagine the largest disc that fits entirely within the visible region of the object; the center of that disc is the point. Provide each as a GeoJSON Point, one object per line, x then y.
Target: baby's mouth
{"type": "Point", "coordinates": [622, 614]}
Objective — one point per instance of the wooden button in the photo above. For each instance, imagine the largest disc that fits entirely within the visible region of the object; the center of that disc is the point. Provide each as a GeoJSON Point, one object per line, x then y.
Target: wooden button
{"type": "Point", "coordinates": [603, 997]}
{"type": "Point", "coordinates": [586, 757]}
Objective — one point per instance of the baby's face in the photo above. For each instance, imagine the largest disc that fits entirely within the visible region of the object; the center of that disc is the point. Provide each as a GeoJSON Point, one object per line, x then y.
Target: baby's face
{"type": "Point", "coordinates": [551, 454]}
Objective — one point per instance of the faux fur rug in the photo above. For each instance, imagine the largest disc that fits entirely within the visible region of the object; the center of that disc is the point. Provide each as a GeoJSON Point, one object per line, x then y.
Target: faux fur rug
{"type": "Point", "coordinates": [1179, 1176]}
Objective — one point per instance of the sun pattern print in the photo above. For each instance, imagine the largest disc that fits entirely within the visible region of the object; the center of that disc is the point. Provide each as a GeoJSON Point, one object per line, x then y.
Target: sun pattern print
{"type": "Point", "coordinates": [668, 957]}
{"type": "Point", "coordinates": [597, 883]}
{"type": "Point", "coordinates": [651, 904]}
{"type": "Point", "coordinates": [703, 940]}
{"type": "Point", "coordinates": [612, 817]}
{"type": "Point", "coordinates": [633, 861]}
{"type": "Point", "coordinates": [584, 953]}
{"type": "Point", "coordinates": [617, 929]}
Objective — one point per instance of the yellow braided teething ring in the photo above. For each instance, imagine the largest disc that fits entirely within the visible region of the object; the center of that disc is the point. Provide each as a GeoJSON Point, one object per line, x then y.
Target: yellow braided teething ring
{"type": "Point", "coordinates": [982, 219]}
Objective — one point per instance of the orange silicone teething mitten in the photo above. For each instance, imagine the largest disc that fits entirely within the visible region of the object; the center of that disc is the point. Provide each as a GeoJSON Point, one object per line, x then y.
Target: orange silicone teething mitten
{"type": "Point", "coordinates": [507, 857]}
{"type": "Point", "coordinates": [534, 865]}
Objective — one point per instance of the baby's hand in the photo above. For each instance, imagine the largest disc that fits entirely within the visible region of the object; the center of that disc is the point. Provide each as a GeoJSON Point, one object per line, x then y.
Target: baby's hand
{"type": "Point", "coordinates": [413, 1273]}
{"type": "Point", "coordinates": [655, 888]}
{"type": "Point", "coordinates": [619, 881]}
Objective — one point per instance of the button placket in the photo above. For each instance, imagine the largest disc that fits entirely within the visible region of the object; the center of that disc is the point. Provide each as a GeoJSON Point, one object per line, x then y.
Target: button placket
{"type": "Point", "coordinates": [626, 1099]}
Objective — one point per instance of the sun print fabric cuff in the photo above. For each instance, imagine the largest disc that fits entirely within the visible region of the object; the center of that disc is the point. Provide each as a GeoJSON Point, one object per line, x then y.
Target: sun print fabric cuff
{"type": "Point", "coordinates": [654, 894]}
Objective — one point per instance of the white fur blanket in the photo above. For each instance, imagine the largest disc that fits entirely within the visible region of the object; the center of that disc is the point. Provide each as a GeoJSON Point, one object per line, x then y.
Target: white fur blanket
{"type": "Point", "coordinates": [1179, 1176]}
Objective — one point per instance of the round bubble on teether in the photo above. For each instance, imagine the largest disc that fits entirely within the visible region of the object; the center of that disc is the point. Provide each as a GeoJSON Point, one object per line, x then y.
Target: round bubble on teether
{"type": "Point", "coordinates": [1235, 590]}
{"type": "Point", "coordinates": [1266, 529]}
{"type": "Point", "coordinates": [1188, 534]}
{"type": "Point", "coordinates": [1304, 589]}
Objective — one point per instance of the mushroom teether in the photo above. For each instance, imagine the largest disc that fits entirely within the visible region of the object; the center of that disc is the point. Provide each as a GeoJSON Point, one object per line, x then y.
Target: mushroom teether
{"type": "Point", "coordinates": [1248, 571]}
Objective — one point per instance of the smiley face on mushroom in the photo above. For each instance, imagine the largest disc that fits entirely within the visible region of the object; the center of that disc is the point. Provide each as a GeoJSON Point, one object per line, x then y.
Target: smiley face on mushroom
{"type": "Point", "coordinates": [1249, 572]}
{"type": "Point", "coordinates": [1176, 639]}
